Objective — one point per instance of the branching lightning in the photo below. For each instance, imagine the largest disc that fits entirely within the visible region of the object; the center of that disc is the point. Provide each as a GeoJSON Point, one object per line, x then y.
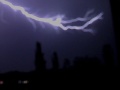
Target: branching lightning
{"type": "Point", "coordinates": [57, 22]}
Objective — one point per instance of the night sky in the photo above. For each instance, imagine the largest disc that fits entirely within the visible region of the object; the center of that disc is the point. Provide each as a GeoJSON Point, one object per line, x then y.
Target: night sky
{"type": "Point", "coordinates": [18, 37]}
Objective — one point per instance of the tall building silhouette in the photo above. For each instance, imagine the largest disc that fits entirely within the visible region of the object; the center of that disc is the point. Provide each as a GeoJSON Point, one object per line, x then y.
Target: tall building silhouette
{"type": "Point", "coordinates": [40, 63]}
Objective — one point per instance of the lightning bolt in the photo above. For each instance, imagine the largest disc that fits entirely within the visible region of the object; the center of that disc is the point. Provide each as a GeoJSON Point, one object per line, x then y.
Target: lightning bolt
{"type": "Point", "coordinates": [58, 21]}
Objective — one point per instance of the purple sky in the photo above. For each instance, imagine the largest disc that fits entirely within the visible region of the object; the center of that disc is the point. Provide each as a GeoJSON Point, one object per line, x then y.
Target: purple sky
{"type": "Point", "coordinates": [18, 37]}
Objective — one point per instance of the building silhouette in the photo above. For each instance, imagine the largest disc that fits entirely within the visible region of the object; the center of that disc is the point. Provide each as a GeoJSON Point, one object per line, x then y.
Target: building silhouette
{"type": "Point", "coordinates": [40, 63]}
